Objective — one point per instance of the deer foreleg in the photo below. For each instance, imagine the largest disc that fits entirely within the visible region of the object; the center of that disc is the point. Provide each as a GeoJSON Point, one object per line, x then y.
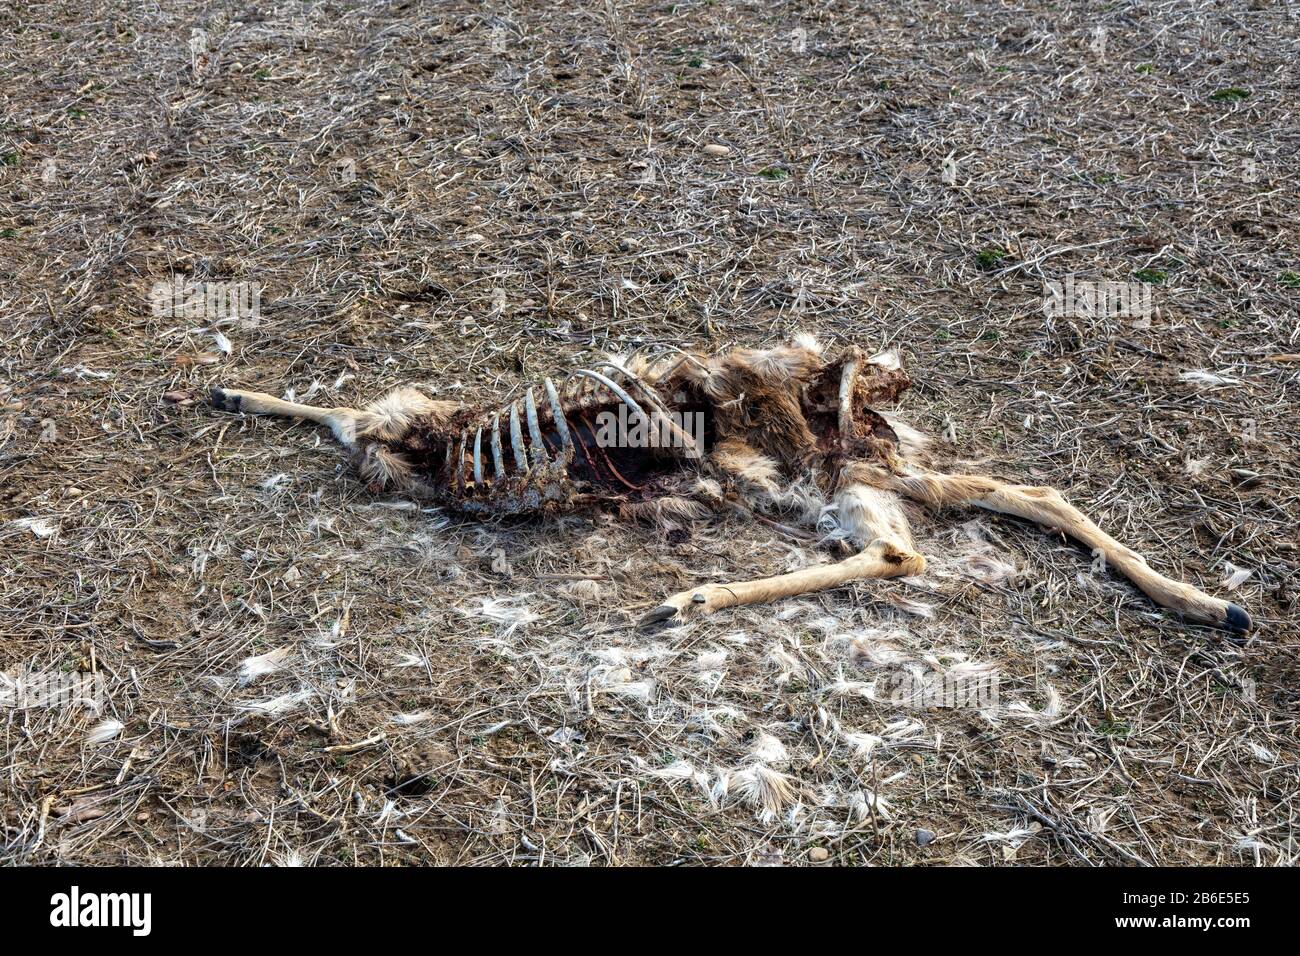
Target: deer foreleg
{"type": "Point", "coordinates": [341, 421]}
{"type": "Point", "coordinates": [1045, 506]}
{"type": "Point", "coordinates": [877, 520]}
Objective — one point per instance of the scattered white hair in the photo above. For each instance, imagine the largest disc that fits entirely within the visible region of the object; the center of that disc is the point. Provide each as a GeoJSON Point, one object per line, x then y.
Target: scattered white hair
{"type": "Point", "coordinates": [910, 605]}
{"type": "Point", "coordinates": [903, 729]}
{"type": "Point", "coordinates": [878, 648]}
{"type": "Point", "coordinates": [714, 720]}
{"type": "Point", "coordinates": [1260, 752]}
{"type": "Point", "coordinates": [275, 481]}
{"type": "Point", "coordinates": [685, 770]}
{"type": "Point", "coordinates": [618, 680]}
{"type": "Point", "coordinates": [863, 804]}
{"type": "Point", "coordinates": [642, 690]}
{"type": "Point", "coordinates": [787, 662]}
{"type": "Point", "coordinates": [848, 688]}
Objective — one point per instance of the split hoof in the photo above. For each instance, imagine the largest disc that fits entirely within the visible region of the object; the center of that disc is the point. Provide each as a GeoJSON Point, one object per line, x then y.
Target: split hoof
{"type": "Point", "coordinates": [663, 616]}
{"type": "Point", "coordinates": [1236, 619]}
{"type": "Point", "coordinates": [223, 400]}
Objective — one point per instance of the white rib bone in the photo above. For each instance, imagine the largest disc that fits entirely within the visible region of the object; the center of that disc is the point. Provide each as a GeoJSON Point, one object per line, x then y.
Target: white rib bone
{"type": "Point", "coordinates": [557, 412]}
{"type": "Point", "coordinates": [498, 463]}
{"type": "Point", "coordinates": [517, 440]}
{"type": "Point", "coordinates": [614, 387]}
{"type": "Point", "coordinates": [540, 458]}
{"type": "Point", "coordinates": [460, 463]}
{"type": "Point", "coordinates": [666, 415]}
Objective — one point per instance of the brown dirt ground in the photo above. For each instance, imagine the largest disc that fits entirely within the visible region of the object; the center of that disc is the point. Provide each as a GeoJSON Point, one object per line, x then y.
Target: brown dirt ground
{"type": "Point", "coordinates": [530, 190]}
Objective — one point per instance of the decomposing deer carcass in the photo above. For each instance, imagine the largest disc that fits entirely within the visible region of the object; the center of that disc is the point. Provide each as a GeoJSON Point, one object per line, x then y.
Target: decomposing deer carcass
{"type": "Point", "coordinates": [681, 434]}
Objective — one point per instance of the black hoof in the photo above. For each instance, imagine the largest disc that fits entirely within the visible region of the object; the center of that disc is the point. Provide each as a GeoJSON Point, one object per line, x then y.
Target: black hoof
{"type": "Point", "coordinates": [1236, 619]}
{"type": "Point", "coordinates": [661, 616]}
{"type": "Point", "coordinates": [223, 400]}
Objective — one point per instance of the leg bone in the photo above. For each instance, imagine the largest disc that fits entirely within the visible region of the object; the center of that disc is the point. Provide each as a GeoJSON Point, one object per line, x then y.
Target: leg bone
{"type": "Point", "coordinates": [341, 421]}
{"type": "Point", "coordinates": [1045, 506]}
{"type": "Point", "coordinates": [879, 560]}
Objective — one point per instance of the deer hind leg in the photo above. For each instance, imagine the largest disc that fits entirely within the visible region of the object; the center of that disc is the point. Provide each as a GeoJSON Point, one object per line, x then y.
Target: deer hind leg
{"type": "Point", "coordinates": [1045, 506]}
{"type": "Point", "coordinates": [878, 520]}
{"type": "Point", "coordinates": [341, 421]}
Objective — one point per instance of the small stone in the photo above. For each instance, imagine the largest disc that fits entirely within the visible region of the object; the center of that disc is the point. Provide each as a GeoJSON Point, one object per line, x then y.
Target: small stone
{"type": "Point", "coordinates": [717, 149]}
{"type": "Point", "coordinates": [923, 837]}
{"type": "Point", "coordinates": [819, 854]}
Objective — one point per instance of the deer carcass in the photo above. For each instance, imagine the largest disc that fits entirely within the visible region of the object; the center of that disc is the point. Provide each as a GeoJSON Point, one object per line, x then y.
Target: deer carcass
{"type": "Point", "coordinates": [680, 434]}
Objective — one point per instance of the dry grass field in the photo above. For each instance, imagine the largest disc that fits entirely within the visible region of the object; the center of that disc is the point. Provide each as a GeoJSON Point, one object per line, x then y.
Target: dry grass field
{"type": "Point", "coordinates": [466, 197]}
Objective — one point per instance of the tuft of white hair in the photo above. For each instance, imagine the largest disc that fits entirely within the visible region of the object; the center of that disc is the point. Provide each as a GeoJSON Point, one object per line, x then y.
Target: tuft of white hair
{"type": "Point", "coordinates": [714, 720]}
{"type": "Point", "coordinates": [808, 342]}
{"type": "Point", "coordinates": [988, 569]}
{"type": "Point", "coordinates": [768, 749]}
{"type": "Point", "coordinates": [278, 706]}
{"type": "Point", "coordinates": [104, 731]}
{"type": "Point", "coordinates": [710, 660]}
{"type": "Point", "coordinates": [251, 668]}
{"type": "Point", "coordinates": [1236, 576]}
{"type": "Point", "coordinates": [1206, 379]}
{"type": "Point", "coordinates": [862, 745]}
{"type": "Point", "coordinates": [762, 787]}
{"type": "Point", "coordinates": [41, 527]}
{"type": "Point", "coordinates": [910, 605]}
{"type": "Point", "coordinates": [864, 803]}
{"type": "Point", "coordinates": [890, 360]}
{"type": "Point", "coordinates": [507, 611]}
